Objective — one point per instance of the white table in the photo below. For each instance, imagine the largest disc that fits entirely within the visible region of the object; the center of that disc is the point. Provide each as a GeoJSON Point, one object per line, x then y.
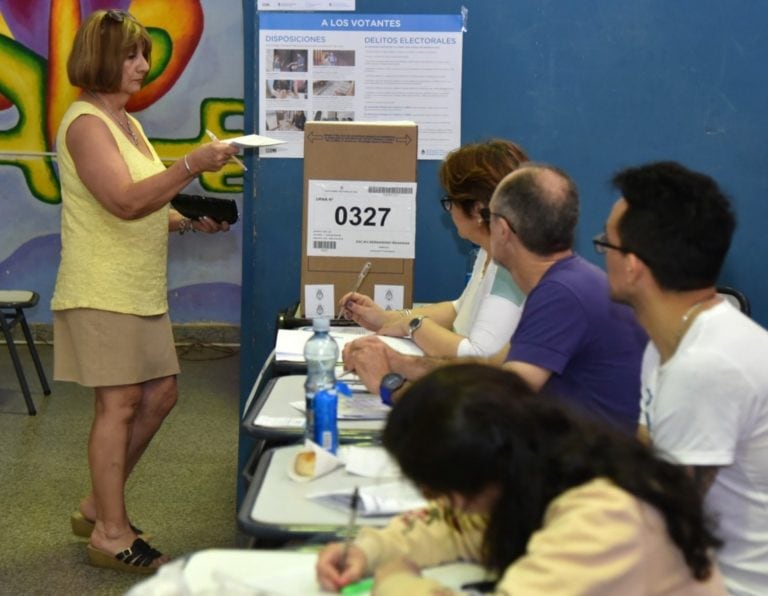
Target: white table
{"type": "Point", "coordinates": [272, 418]}
{"type": "Point", "coordinates": [276, 507]}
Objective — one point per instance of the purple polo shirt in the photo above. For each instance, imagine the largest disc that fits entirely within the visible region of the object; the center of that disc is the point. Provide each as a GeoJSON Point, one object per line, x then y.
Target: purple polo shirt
{"type": "Point", "coordinates": [592, 345]}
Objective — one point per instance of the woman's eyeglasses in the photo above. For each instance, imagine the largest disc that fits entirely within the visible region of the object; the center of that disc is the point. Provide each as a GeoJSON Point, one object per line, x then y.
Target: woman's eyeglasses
{"type": "Point", "coordinates": [447, 203]}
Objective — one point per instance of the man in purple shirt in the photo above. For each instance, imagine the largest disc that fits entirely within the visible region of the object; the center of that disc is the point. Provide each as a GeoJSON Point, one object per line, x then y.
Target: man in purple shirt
{"type": "Point", "coordinates": [572, 341]}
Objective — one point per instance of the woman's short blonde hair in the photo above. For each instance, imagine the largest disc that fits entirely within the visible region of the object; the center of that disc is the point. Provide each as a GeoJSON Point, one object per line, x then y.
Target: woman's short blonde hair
{"type": "Point", "coordinates": [102, 43]}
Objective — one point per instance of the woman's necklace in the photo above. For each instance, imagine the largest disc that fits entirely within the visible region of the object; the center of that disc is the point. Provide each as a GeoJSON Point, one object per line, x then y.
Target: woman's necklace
{"type": "Point", "coordinates": [125, 125]}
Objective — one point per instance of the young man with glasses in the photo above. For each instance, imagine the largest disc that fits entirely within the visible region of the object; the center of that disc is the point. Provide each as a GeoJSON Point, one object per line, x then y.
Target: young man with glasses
{"type": "Point", "coordinates": [704, 375]}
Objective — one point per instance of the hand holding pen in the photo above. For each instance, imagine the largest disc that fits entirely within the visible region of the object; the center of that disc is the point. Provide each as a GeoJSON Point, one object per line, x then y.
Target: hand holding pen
{"type": "Point", "coordinates": [358, 282]}
{"type": "Point", "coordinates": [342, 564]}
{"type": "Point", "coordinates": [213, 137]}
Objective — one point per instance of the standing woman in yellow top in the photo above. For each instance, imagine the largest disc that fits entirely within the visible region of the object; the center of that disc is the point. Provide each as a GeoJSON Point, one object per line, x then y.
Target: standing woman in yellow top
{"type": "Point", "coordinates": [111, 325]}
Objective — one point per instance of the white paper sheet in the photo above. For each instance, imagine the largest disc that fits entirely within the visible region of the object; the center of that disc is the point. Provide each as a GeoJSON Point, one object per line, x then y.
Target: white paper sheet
{"type": "Point", "coordinates": [252, 141]}
{"type": "Point", "coordinates": [289, 346]}
{"type": "Point", "coordinates": [390, 498]}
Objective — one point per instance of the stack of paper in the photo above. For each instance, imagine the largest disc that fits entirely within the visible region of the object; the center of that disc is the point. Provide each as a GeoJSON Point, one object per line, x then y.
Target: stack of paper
{"type": "Point", "coordinates": [376, 500]}
{"type": "Point", "coordinates": [290, 342]}
{"type": "Point", "coordinates": [361, 406]}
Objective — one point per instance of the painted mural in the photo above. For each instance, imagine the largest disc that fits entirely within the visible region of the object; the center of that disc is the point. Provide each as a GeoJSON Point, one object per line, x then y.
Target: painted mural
{"type": "Point", "coordinates": [196, 83]}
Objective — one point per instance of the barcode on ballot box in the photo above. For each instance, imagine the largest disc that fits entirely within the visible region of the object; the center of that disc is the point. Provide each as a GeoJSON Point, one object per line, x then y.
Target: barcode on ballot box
{"type": "Point", "coordinates": [324, 244]}
{"type": "Point", "coordinates": [391, 190]}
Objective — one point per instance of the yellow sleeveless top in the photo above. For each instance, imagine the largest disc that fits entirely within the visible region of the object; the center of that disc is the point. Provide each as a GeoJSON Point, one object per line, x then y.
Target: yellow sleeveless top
{"type": "Point", "coordinates": [108, 263]}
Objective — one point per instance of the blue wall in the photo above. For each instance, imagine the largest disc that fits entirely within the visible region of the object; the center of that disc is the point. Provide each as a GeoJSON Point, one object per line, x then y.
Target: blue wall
{"type": "Point", "coordinates": [591, 86]}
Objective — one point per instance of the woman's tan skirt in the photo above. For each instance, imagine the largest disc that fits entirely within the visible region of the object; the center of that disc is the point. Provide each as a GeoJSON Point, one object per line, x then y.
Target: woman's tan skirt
{"type": "Point", "coordinates": [98, 348]}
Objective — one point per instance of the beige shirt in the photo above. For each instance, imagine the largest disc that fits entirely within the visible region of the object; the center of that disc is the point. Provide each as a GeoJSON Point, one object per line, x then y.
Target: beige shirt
{"type": "Point", "coordinates": [596, 540]}
{"type": "Point", "coordinates": [108, 263]}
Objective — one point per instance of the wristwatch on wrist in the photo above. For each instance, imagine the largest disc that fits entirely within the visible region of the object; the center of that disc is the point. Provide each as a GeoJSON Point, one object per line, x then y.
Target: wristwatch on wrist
{"type": "Point", "coordinates": [414, 324]}
{"type": "Point", "coordinates": [390, 383]}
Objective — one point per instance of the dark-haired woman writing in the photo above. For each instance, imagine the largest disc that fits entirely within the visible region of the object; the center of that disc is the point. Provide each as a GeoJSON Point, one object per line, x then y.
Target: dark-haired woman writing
{"type": "Point", "coordinates": [548, 503]}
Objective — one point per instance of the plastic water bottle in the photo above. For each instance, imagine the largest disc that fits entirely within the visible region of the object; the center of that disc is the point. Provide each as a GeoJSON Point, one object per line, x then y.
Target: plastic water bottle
{"type": "Point", "coordinates": [321, 354]}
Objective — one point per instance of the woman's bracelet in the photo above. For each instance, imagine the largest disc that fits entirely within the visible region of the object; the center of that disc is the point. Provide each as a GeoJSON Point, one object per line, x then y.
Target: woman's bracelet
{"type": "Point", "coordinates": [185, 225]}
{"type": "Point", "coordinates": [186, 165]}
{"type": "Point", "coordinates": [406, 313]}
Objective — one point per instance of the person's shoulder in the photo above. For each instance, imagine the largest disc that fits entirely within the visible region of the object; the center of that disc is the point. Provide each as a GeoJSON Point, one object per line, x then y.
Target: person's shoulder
{"type": "Point", "coordinates": [504, 286]}
{"type": "Point", "coordinates": [594, 494]}
{"type": "Point", "coordinates": [81, 114]}
{"type": "Point", "coordinates": [572, 284]}
{"type": "Point", "coordinates": [728, 318]}
{"type": "Point", "coordinates": [598, 503]}
{"type": "Point", "coordinates": [577, 275]}
{"type": "Point", "coordinates": [723, 341]}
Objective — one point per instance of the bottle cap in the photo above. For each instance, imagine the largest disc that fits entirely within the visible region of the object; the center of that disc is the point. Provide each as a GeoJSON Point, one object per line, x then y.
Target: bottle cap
{"type": "Point", "coordinates": [321, 324]}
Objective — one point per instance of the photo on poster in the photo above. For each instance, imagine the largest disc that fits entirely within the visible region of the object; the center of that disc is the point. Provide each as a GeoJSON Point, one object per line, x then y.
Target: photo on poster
{"type": "Point", "coordinates": [333, 116]}
{"type": "Point", "coordinates": [286, 120]}
{"type": "Point", "coordinates": [323, 88]}
{"type": "Point", "coordinates": [285, 89]}
{"type": "Point", "coordinates": [333, 57]}
{"type": "Point", "coordinates": [291, 60]}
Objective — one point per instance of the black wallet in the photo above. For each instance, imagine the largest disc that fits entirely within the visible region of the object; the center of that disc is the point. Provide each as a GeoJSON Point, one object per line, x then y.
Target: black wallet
{"type": "Point", "coordinates": [195, 207]}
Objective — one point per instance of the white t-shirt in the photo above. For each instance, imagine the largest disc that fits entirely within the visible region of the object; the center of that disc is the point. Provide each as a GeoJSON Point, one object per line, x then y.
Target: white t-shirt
{"type": "Point", "coordinates": [708, 406]}
{"type": "Point", "coordinates": [488, 310]}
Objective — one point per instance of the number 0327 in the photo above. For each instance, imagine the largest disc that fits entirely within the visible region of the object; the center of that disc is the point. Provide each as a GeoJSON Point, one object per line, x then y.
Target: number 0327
{"type": "Point", "coordinates": [361, 216]}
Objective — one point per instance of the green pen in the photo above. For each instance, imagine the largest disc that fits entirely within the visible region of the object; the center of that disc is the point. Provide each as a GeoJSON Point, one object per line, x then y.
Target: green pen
{"type": "Point", "coordinates": [361, 587]}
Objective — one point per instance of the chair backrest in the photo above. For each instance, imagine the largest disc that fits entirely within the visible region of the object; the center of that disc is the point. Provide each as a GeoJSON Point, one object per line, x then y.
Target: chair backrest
{"type": "Point", "coordinates": [738, 299]}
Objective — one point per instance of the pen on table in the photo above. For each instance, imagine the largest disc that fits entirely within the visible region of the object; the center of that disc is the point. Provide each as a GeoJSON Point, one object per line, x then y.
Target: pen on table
{"type": "Point", "coordinates": [233, 158]}
{"type": "Point", "coordinates": [350, 528]}
{"type": "Point", "coordinates": [358, 282]}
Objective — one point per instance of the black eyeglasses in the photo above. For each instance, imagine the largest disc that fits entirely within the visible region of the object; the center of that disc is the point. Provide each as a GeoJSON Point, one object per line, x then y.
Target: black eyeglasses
{"type": "Point", "coordinates": [447, 203]}
{"type": "Point", "coordinates": [601, 244]}
{"type": "Point", "coordinates": [499, 215]}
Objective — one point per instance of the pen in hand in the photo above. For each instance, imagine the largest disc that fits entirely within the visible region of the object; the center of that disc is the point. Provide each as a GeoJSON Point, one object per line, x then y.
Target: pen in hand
{"type": "Point", "coordinates": [354, 504]}
{"type": "Point", "coordinates": [359, 282]}
{"type": "Point", "coordinates": [233, 158]}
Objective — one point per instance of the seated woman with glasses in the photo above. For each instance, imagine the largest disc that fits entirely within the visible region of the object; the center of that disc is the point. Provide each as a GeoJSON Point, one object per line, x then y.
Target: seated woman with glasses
{"type": "Point", "coordinates": [481, 321]}
{"type": "Point", "coordinates": [547, 502]}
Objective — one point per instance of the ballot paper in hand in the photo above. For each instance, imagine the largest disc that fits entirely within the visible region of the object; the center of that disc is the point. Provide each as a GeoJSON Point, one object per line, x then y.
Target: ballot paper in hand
{"type": "Point", "coordinates": [252, 141]}
{"type": "Point", "coordinates": [376, 500]}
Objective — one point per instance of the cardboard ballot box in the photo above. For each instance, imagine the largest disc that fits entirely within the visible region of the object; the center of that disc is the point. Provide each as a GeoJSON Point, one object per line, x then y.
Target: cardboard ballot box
{"type": "Point", "coordinates": [359, 206]}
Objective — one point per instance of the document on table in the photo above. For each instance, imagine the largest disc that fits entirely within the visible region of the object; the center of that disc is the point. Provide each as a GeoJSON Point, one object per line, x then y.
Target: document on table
{"type": "Point", "coordinates": [369, 462]}
{"type": "Point", "coordinates": [289, 346]}
{"type": "Point", "coordinates": [265, 573]}
{"type": "Point", "coordinates": [279, 421]}
{"type": "Point", "coordinates": [361, 406]}
{"type": "Point", "coordinates": [386, 499]}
